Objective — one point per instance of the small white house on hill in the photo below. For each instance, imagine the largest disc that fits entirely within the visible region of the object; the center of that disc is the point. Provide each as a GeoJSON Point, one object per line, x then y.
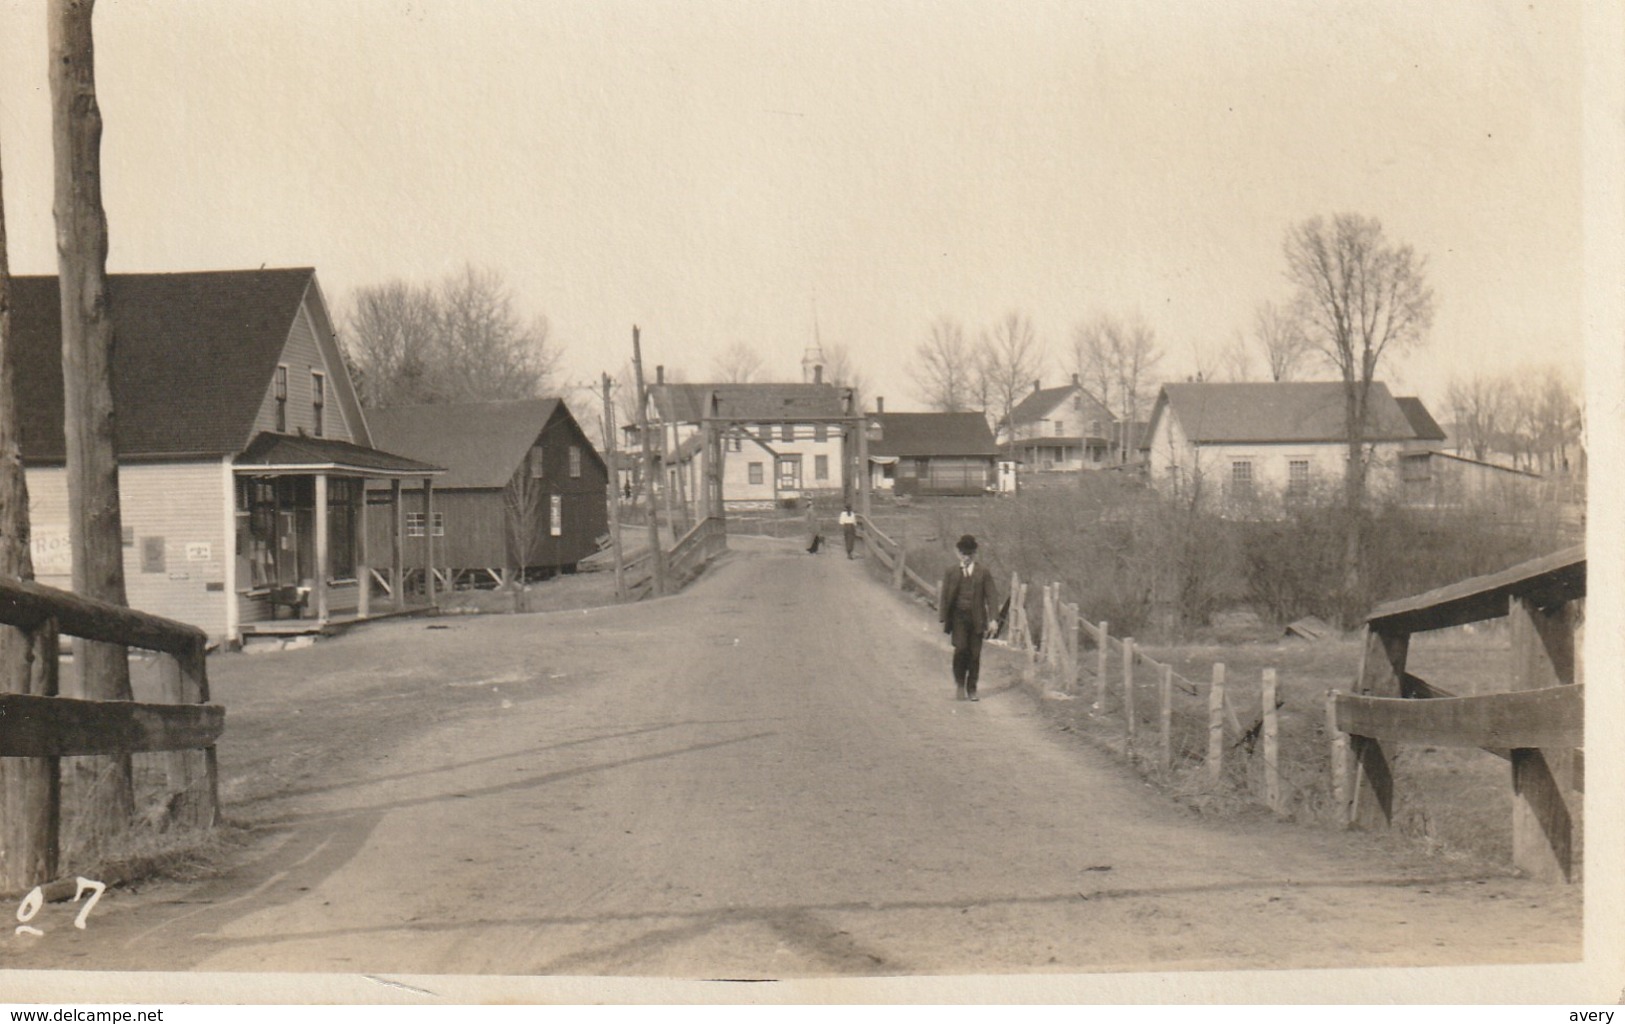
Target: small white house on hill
{"type": "Point", "coordinates": [1278, 439]}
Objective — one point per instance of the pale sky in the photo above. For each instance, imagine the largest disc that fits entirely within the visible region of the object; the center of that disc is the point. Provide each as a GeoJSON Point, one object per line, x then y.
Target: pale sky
{"type": "Point", "coordinates": [710, 170]}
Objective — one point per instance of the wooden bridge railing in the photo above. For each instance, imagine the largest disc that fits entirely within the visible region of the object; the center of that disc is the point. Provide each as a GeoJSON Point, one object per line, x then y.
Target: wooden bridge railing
{"type": "Point", "coordinates": [688, 557]}
{"type": "Point", "coordinates": [1538, 724]}
{"type": "Point", "coordinates": [39, 726]}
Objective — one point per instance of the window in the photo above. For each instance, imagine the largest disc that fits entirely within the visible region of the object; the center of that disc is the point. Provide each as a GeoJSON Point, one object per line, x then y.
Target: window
{"type": "Point", "coordinates": [756, 473]}
{"type": "Point", "coordinates": [318, 399]}
{"type": "Point", "coordinates": [343, 497]}
{"type": "Point", "coordinates": [537, 462]}
{"type": "Point", "coordinates": [735, 443]}
{"type": "Point", "coordinates": [1059, 427]}
{"type": "Point", "coordinates": [414, 524]}
{"type": "Point", "coordinates": [1077, 402]}
{"type": "Point", "coordinates": [575, 462]}
{"type": "Point", "coordinates": [282, 399]}
{"type": "Point", "coordinates": [764, 431]}
{"type": "Point", "coordinates": [790, 472]}
{"type": "Point", "coordinates": [439, 524]}
{"type": "Point", "coordinates": [787, 432]}
{"type": "Point", "coordinates": [1241, 478]}
{"type": "Point", "coordinates": [1297, 478]}
{"type": "Point", "coordinates": [820, 467]}
{"type": "Point", "coordinates": [821, 432]}
{"type": "Point", "coordinates": [1414, 467]}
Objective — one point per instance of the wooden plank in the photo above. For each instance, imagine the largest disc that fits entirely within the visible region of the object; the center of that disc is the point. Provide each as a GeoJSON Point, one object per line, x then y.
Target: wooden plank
{"type": "Point", "coordinates": [1165, 718]}
{"type": "Point", "coordinates": [1548, 581]}
{"type": "Point", "coordinates": [1546, 807]}
{"type": "Point", "coordinates": [1552, 717]}
{"type": "Point", "coordinates": [1128, 694]}
{"type": "Point", "coordinates": [1272, 744]}
{"type": "Point", "coordinates": [1215, 725]}
{"type": "Point", "coordinates": [1102, 661]}
{"type": "Point", "coordinates": [69, 727]}
{"type": "Point", "coordinates": [26, 604]}
{"type": "Point", "coordinates": [1339, 759]}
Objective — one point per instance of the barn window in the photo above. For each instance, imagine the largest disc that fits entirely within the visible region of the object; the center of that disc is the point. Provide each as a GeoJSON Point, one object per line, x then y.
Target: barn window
{"type": "Point", "coordinates": [537, 462]}
{"type": "Point", "coordinates": [575, 462]}
{"type": "Point", "coordinates": [281, 399]}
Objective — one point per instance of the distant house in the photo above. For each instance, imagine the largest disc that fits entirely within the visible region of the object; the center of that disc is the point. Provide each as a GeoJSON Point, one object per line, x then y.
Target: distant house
{"type": "Point", "coordinates": [778, 441]}
{"type": "Point", "coordinates": [929, 453]}
{"type": "Point", "coordinates": [524, 494]}
{"type": "Point", "coordinates": [243, 452]}
{"type": "Point", "coordinates": [1244, 441]}
{"type": "Point", "coordinates": [1060, 429]}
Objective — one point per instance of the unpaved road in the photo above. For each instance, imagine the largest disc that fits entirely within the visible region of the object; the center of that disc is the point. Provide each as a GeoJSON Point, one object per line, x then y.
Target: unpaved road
{"type": "Point", "coordinates": [763, 777]}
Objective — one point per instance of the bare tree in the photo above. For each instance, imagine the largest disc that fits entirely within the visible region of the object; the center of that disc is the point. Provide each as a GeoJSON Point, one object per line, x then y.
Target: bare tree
{"type": "Point", "coordinates": [460, 341]}
{"type": "Point", "coordinates": [522, 512]}
{"type": "Point", "coordinates": [1281, 339]}
{"type": "Point", "coordinates": [944, 368]}
{"type": "Point", "coordinates": [1479, 407]}
{"type": "Point", "coordinates": [1559, 418]}
{"type": "Point", "coordinates": [841, 371]}
{"type": "Point", "coordinates": [1359, 299]}
{"type": "Point", "coordinates": [94, 523]}
{"type": "Point", "coordinates": [739, 363]}
{"type": "Point", "coordinates": [1236, 358]}
{"type": "Point", "coordinates": [1011, 360]}
{"type": "Point", "coordinates": [1118, 355]}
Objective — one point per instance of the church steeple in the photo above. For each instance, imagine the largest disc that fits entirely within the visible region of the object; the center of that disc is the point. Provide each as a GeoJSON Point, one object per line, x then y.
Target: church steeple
{"type": "Point", "coordinates": [812, 360]}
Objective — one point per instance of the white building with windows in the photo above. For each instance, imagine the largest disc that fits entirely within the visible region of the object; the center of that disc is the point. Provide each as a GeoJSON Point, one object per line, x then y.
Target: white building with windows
{"type": "Point", "coordinates": [1242, 442]}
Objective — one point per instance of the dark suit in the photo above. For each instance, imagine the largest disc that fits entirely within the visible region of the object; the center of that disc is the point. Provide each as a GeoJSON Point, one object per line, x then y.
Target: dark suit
{"type": "Point", "coordinates": [965, 607]}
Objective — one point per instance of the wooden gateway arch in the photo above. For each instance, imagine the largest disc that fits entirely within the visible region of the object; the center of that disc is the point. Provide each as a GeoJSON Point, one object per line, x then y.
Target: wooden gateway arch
{"type": "Point", "coordinates": [1537, 723]}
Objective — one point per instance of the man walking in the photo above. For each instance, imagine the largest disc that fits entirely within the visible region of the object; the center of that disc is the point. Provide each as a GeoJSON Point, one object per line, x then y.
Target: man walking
{"type": "Point", "coordinates": [966, 608]}
{"type": "Point", "coordinates": [849, 529]}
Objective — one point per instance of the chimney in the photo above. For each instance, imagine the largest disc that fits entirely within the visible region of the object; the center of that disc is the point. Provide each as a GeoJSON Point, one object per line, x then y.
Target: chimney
{"type": "Point", "coordinates": [1074, 380]}
{"type": "Point", "coordinates": [660, 375]}
{"type": "Point", "coordinates": [1037, 385]}
{"type": "Point", "coordinates": [880, 404]}
{"type": "Point", "coordinates": [818, 375]}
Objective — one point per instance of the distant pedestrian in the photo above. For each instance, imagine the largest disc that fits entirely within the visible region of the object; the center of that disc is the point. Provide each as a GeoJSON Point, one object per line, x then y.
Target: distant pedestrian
{"type": "Point", "coordinates": [812, 528]}
{"type": "Point", "coordinates": [966, 609]}
{"type": "Point", "coordinates": [849, 529]}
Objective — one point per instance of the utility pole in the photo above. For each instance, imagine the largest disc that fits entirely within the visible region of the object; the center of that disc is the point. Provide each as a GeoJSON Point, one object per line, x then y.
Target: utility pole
{"type": "Point", "coordinates": [95, 528]}
{"type": "Point", "coordinates": [614, 490]}
{"type": "Point", "coordinates": [655, 550]}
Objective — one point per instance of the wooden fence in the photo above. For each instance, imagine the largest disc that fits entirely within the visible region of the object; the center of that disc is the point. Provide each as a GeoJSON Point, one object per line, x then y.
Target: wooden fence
{"type": "Point", "coordinates": [688, 557]}
{"type": "Point", "coordinates": [41, 727]}
{"type": "Point", "coordinates": [1537, 724]}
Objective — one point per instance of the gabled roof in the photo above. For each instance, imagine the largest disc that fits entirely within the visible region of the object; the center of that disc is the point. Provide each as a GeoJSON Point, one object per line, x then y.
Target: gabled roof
{"type": "Point", "coordinates": [932, 433]}
{"type": "Point", "coordinates": [286, 451]}
{"type": "Point", "coordinates": [193, 356]}
{"type": "Point", "coordinates": [480, 444]}
{"type": "Point", "coordinates": [756, 403]}
{"type": "Point", "coordinates": [1421, 421]}
{"type": "Point", "coordinates": [1275, 412]}
{"type": "Point", "coordinates": [1040, 402]}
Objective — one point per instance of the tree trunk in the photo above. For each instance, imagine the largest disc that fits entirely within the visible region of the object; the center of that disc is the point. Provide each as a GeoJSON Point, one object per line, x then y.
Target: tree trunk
{"type": "Point", "coordinates": [1353, 505]}
{"type": "Point", "coordinates": [94, 525]}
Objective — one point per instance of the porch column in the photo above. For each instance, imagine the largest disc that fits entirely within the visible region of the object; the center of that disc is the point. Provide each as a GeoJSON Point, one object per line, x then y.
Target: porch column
{"type": "Point", "coordinates": [428, 537]}
{"type": "Point", "coordinates": [323, 570]}
{"type": "Point", "coordinates": [397, 578]}
{"type": "Point", "coordinates": [363, 574]}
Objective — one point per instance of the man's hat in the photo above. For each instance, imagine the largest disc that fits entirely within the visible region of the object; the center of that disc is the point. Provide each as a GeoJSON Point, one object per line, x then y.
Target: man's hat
{"type": "Point", "coordinates": [967, 544]}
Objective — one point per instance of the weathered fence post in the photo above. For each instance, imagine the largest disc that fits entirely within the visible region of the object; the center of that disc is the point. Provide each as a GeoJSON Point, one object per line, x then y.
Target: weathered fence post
{"type": "Point", "coordinates": [1215, 725]}
{"type": "Point", "coordinates": [1069, 633]}
{"type": "Point", "coordinates": [1547, 805]}
{"type": "Point", "coordinates": [31, 811]}
{"type": "Point", "coordinates": [1128, 694]}
{"type": "Point", "coordinates": [1052, 595]}
{"type": "Point", "coordinates": [1102, 662]}
{"type": "Point", "coordinates": [1272, 763]}
{"type": "Point", "coordinates": [1340, 760]}
{"type": "Point", "coordinates": [1166, 717]}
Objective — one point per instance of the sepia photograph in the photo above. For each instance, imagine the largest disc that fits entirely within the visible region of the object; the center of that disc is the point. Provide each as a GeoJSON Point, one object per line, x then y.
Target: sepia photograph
{"type": "Point", "coordinates": [956, 502]}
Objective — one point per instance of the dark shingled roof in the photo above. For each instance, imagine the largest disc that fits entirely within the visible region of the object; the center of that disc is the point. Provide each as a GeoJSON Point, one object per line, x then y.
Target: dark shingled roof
{"type": "Point", "coordinates": [932, 433]}
{"type": "Point", "coordinates": [1422, 421]}
{"type": "Point", "coordinates": [275, 451]}
{"type": "Point", "coordinates": [193, 356]}
{"type": "Point", "coordinates": [480, 444]}
{"type": "Point", "coordinates": [1276, 411]}
{"type": "Point", "coordinates": [763, 403]}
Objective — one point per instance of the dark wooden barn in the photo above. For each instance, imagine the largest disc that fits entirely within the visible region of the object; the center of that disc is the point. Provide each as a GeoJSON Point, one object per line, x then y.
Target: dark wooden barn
{"type": "Point", "coordinates": [524, 493]}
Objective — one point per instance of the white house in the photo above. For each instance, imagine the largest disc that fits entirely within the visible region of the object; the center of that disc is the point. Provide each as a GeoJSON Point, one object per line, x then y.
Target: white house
{"type": "Point", "coordinates": [1247, 441]}
{"type": "Point", "coordinates": [1060, 429]}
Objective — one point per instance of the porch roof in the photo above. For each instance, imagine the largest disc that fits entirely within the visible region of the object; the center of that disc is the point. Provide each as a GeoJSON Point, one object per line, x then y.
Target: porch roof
{"type": "Point", "coordinates": [291, 453]}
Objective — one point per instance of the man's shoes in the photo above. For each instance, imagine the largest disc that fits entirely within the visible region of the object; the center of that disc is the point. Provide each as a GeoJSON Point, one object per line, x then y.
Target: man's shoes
{"type": "Point", "coordinates": [960, 694]}
{"type": "Point", "coordinates": [974, 697]}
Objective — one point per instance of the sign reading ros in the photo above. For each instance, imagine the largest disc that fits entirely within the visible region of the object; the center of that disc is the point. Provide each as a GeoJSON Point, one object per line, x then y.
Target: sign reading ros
{"type": "Point", "coordinates": [52, 551]}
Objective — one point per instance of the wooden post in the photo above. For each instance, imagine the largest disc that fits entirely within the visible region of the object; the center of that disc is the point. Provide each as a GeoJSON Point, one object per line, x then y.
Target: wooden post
{"type": "Point", "coordinates": [1166, 717]}
{"type": "Point", "coordinates": [1102, 663]}
{"type": "Point", "coordinates": [1215, 725]}
{"type": "Point", "coordinates": [428, 539]}
{"type": "Point", "coordinates": [656, 551]}
{"type": "Point", "coordinates": [863, 460]}
{"type": "Point", "coordinates": [95, 527]}
{"type": "Point", "coordinates": [1340, 760]}
{"type": "Point", "coordinates": [192, 775]}
{"type": "Point", "coordinates": [1069, 632]}
{"type": "Point", "coordinates": [397, 528]}
{"type": "Point", "coordinates": [1272, 745]}
{"type": "Point", "coordinates": [323, 573]}
{"type": "Point", "coordinates": [1128, 693]}
{"type": "Point", "coordinates": [1382, 667]}
{"type": "Point", "coordinates": [1546, 804]}
{"type": "Point", "coordinates": [614, 493]}
{"type": "Point", "coordinates": [363, 570]}
{"type": "Point", "coordinates": [1052, 596]}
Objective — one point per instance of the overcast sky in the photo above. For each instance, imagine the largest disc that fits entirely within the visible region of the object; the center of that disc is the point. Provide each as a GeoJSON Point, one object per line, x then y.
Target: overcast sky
{"type": "Point", "coordinates": [711, 171]}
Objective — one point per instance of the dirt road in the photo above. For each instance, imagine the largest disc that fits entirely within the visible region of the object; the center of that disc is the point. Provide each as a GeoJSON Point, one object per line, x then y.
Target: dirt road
{"type": "Point", "coordinates": [763, 777]}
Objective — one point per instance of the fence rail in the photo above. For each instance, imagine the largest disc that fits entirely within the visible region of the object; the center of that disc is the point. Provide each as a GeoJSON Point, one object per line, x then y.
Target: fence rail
{"type": "Point", "coordinates": [43, 726]}
{"type": "Point", "coordinates": [688, 557]}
